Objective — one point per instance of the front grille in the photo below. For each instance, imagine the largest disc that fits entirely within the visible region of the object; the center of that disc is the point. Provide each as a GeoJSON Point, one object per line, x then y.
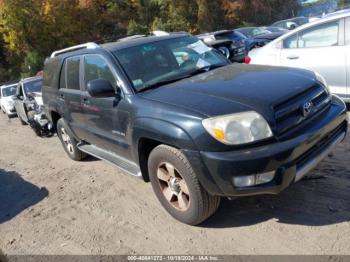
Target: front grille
{"type": "Point", "coordinates": [290, 114]}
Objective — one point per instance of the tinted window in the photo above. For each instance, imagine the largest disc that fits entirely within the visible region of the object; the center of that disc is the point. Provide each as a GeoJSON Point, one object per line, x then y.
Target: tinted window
{"type": "Point", "coordinates": [50, 75]}
{"type": "Point", "coordinates": [320, 36]}
{"type": "Point", "coordinates": [63, 76]}
{"type": "Point", "coordinates": [96, 67]}
{"type": "Point", "coordinates": [72, 71]}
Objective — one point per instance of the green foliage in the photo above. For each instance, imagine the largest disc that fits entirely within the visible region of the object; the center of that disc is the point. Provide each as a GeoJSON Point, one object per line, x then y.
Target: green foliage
{"type": "Point", "coordinates": [31, 29]}
{"type": "Point", "coordinates": [32, 64]}
{"type": "Point", "coordinates": [135, 29]}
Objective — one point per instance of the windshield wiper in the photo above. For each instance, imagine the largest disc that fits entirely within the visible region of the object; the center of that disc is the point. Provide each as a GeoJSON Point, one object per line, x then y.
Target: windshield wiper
{"type": "Point", "coordinates": [187, 75]}
{"type": "Point", "coordinates": [164, 82]}
{"type": "Point", "coordinates": [206, 69]}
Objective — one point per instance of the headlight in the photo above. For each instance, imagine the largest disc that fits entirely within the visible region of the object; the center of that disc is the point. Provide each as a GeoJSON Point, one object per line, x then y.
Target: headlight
{"type": "Point", "coordinates": [321, 79]}
{"type": "Point", "coordinates": [240, 128]}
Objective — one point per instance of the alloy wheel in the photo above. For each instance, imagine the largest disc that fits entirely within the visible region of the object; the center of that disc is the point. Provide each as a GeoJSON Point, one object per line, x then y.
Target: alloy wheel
{"type": "Point", "coordinates": [67, 141]}
{"type": "Point", "coordinates": [173, 186]}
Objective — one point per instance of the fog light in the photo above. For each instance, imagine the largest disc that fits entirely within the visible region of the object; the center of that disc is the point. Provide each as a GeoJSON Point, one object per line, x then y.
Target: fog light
{"type": "Point", "coordinates": [244, 181]}
{"type": "Point", "coordinates": [248, 181]}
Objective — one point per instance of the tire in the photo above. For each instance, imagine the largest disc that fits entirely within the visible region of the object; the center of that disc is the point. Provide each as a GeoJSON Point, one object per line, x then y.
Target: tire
{"type": "Point", "coordinates": [69, 143]}
{"type": "Point", "coordinates": [196, 204]}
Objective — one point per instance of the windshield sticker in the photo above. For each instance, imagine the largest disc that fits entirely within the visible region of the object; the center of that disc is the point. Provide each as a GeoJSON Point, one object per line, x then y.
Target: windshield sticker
{"type": "Point", "coordinates": [137, 83]}
{"type": "Point", "coordinates": [199, 47]}
{"type": "Point", "coordinates": [202, 63]}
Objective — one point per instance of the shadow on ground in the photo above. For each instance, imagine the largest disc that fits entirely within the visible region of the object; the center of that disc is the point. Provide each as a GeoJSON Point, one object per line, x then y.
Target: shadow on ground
{"type": "Point", "coordinates": [17, 194]}
{"type": "Point", "coordinates": [315, 201]}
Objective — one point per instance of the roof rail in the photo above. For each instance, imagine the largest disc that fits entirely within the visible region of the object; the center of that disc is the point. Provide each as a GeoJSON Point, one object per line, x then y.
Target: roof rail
{"type": "Point", "coordinates": [75, 48]}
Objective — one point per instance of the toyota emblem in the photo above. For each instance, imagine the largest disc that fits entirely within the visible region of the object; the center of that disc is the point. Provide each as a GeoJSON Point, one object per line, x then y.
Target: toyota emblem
{"type": "Point", "coordinates": [307, 108]}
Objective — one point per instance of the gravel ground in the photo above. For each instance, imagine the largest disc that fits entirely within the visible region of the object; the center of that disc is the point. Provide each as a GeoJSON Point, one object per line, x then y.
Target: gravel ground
{"type": "Point", "coordinates": [52, 205]}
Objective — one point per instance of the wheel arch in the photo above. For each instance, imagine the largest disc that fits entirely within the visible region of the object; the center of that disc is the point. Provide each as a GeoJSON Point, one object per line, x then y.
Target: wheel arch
{"type": "Point", "coordinates": [149, 133]}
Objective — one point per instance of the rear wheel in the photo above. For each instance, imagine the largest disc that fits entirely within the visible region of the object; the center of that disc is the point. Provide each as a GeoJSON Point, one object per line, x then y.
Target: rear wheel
{"type": "Point", "coordinates": [69, 142]}
{"type": "Point", "coordinates": [177, 187]}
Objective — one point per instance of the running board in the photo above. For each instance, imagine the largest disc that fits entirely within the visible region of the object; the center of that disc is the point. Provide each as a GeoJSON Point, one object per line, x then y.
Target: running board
{"type": "Point", "coordinates": [124, 164]}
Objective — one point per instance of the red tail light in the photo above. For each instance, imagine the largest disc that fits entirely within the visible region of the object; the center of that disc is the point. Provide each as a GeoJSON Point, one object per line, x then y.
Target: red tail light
{"type": "Point", "coordinates": [247, 60]}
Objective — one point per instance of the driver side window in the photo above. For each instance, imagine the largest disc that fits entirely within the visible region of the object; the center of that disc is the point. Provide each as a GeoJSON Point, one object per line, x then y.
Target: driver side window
{"type": "Point", "coordinates": [96, 67]}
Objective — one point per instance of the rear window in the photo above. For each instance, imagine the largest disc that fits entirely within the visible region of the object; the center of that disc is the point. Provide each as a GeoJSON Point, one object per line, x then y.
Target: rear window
{"type": "Point", "coordinates": [50, 72]}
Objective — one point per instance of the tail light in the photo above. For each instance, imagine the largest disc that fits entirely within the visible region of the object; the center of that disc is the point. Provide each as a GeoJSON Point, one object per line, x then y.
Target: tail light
{"type": "Point", "coordinates": [247, 60]}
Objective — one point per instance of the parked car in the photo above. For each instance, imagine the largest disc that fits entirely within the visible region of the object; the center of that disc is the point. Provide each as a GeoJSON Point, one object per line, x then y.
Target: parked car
{"type": "Point", "coordinates": [26, 89]}
{"type": "Point", "coordinates": [321, 46]}
{"type": "Point", "coordinates": [198, 129]}
{"type": "Point", "coordinates": [258, 36]}
{"type": "Point", "coordinates": [229, 42]}
{"type": "Point", "coordinates": [292, 23]}
{"type": "Point", "coordinates": [29, 106]}
{"type": "Point", "coordinates": [274, 29]}
{"type": "Point", "coordinates": [7, 103]}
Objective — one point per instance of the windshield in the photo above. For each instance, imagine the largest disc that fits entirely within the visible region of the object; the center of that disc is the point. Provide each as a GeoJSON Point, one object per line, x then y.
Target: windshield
{"type": "Point", "coordinates": [152, 64]}
{"type": "Point", "coordinates": [9, 91]}
{"type": "Point", "coordinates": [33, 86]}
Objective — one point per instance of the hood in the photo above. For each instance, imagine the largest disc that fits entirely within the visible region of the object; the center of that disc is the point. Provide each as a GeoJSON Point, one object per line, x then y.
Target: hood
{"type": "Point", "coordinates": [235, 88]}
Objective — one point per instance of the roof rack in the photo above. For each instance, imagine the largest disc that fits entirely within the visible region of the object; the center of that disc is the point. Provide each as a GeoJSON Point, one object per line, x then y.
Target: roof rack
{"type": "Point", "coordinates": [75, 48]}
{"type": "Point", "coordinates": [131, 37]}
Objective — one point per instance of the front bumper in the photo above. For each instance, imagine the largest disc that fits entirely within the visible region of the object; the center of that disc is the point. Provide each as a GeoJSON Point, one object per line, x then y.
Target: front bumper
{"type": "Point", "coordinates": [291, 159]}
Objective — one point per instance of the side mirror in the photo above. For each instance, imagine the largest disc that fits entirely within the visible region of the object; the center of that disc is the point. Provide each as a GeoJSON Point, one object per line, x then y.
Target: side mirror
{"type": "Point", "coordinates": [100, 88]}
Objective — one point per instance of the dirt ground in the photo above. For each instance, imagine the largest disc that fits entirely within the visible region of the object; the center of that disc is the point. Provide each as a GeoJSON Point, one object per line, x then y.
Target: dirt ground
{"type": "Point", "coordinates": [52, 205]}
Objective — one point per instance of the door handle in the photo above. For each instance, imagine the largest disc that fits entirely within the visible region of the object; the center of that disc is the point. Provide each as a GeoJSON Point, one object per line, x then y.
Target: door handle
{"type": "Point", "coordinates": [292, 57]}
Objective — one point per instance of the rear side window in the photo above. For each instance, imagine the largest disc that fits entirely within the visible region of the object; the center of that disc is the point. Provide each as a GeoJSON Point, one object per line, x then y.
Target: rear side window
{"type": "Point", "coordinates": [324, 35]}
{"type": "Point", "coordinates": [320, 36]}
{"type": "Point", "coordinates": [72, 73]}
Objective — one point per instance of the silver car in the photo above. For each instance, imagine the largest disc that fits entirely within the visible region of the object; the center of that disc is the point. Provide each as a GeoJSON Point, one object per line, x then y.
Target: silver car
{"type": "Point", "coordinates": [322, 46]}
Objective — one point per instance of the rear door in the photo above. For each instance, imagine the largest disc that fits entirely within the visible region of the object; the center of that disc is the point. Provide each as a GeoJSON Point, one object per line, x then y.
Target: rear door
{"type": "Point", "coordinates": [70, 93]}
{"type": "Point", "coordinates": [321, 49]}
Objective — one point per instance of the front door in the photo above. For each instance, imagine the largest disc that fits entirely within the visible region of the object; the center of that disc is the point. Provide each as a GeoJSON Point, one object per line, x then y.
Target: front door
{"type": "Point", "coordinates": [320, 49]}
{"type": "Point", "coordinates": [106, 118]}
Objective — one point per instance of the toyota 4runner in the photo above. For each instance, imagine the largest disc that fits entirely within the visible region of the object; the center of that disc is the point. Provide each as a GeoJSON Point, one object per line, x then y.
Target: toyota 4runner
{"type": "Point", "coordinates": [174, 112]}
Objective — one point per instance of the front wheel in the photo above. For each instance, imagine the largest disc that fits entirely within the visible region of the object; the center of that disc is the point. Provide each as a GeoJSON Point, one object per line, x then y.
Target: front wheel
{"type": "Point", "coordinates": [177, 187]}
{"type": "Point", "coordinates": [69, 142]}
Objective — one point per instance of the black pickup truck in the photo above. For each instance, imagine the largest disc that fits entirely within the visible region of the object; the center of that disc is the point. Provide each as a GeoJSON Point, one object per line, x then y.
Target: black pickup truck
{"type": "Point", "coordinates": [174, 112]}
